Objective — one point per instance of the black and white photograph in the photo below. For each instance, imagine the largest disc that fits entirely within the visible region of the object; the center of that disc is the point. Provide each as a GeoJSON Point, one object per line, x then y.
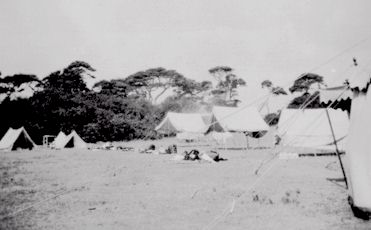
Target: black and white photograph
{"type": "Point", "coordinates": [185, 114]}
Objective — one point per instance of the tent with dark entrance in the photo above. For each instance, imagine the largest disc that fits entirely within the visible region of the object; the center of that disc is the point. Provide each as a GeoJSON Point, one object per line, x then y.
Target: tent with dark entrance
{"type": "Point", "coordinates": [73, 140]}
{"type": "Point", "coordinates": [16, 139]}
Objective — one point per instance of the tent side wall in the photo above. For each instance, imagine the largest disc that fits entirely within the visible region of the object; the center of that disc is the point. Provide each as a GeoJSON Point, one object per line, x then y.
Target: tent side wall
{"type": "Point", "coordinates": [228, 140]}
{"type": "Point", "coordinates": [358, 155]}
{"type": "Point", "coordinates": [311, 128]}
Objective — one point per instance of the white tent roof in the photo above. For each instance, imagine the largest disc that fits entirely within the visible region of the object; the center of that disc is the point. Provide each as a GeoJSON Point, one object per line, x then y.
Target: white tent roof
{"type": "Point", "coordinates": [182, 122]}
{"type": "Point", "coordinates": [12, 135]}
{"type": "Point", "coordinates": [73, 140]}
{"type": "Point", "coordinates": [360, 78]}
{"type": "Point", "coordinates": [238, 119]}
{"type": "Point", "coordinates": [334, 94]}
{"type": "Point", "coordinates": [311, 128]}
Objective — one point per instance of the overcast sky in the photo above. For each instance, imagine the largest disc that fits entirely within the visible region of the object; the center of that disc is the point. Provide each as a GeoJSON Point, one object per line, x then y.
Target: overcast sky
{"type": "Point", "coordinates": [276, 40]}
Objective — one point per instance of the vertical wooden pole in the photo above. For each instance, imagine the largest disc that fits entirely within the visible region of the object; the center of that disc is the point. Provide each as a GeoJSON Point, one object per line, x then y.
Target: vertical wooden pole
{"type": "Point", "coordinates": [336, 148]}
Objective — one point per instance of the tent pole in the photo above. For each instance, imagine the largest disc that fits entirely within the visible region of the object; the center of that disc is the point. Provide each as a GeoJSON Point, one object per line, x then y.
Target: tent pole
{"type": "Point", "coordinates": [337, 149]}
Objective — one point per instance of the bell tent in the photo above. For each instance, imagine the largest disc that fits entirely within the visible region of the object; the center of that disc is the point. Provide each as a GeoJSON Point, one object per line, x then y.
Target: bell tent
{"type": "Point", "coordinates": [73, 140]}
{"type": "Point", "coordinates": [16, 139]}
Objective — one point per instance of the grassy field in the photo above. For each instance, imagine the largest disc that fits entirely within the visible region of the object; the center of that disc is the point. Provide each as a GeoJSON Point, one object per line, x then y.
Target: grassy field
{"type": "Point", "coordinates": [84, 189]}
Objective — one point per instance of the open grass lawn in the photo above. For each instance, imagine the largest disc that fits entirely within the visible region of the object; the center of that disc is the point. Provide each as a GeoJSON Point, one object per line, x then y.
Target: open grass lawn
{"type": "Point", "coordinates": [84, 189]}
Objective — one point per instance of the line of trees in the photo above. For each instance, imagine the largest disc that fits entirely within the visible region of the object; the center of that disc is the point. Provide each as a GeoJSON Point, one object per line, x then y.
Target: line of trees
{"type": "Point", "coordinates": [113, 110]}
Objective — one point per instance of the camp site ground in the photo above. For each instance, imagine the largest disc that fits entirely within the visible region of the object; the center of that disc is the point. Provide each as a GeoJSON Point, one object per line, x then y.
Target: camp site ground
{"type": "Point", "coordinates": [85, 189]}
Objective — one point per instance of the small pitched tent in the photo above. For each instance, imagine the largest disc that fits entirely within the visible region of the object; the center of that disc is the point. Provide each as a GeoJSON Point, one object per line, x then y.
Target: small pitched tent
{"type": "Point", "coordinates": [16, 139]}
{"type": "Point", "coordinates": [311, 128]}
{"type": "Point", "coordinates": [59, 140]}
{"type": "Point", "coordinates": [182, 123]}
{"type": "Point", "coordinates": [73, 140]}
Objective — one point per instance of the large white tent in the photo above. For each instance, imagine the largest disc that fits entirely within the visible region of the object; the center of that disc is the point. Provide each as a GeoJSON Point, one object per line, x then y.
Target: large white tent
{"type": "Point", "coordinates": [311, 128]}
{"type": "Point", "coordinates": [230, 126]}
{"type": "Point", "coordinates": [16, 139]}
{"type": "Point", "coordinates": [358, 146]}
{"type": "Point", "coordinates": [232, 119]}
{"type": "Point", "coordinates": [182, 123]}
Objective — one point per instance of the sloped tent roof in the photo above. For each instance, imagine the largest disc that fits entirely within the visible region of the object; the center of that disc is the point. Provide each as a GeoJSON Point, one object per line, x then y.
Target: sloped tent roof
{"type": "Point", "coordinates": [73, 140]}
{"type": "Point", "coordinates": [336, 97]}
{"type": "Point", "coordinates": [237, 120]}
{"type": "Point", "coordinates": [16, 138]}
{"type": "Point", "coordinates": [311, 128]}
{"type": "Point", "coordinates": [263, 100]}
{"type": "Point", "coordinates": [182, 122]}
{"type": "Point", "coordinates": [60, 140]}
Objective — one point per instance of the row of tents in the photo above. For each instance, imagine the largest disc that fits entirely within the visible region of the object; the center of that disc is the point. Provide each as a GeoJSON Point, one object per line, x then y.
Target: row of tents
{"type": "Point", "coordinates": [20, 139]}
{"type": "Point", "coordinates": [245, 128]}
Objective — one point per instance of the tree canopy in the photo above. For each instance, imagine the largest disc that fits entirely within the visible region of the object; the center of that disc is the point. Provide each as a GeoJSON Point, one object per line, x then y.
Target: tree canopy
{"type": "Point", "coordinates": [13, 84]}
{"type": "Point", "coordinates": [113, 110]}
{"type": "Point", "coordinates": [305, 81]}
{"type": "Point", "coordinates": [227, 83]}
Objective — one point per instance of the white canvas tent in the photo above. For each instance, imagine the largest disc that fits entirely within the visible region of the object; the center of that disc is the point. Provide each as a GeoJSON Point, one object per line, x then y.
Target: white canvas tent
{"type": "Point", "coordinates": [232, 119]}
{"type": "Point", "coordinates": [182, 123]}
{"type": "Point", "coordinates": [358, 146]}
{"type": "Point", "coordinates": [230, 125]}
{"type": "Point", "coordinates": [16, 139]}
{"type": "Point", "coordinates": [311, 128]}
{"type": "Point", "coordinates": [73, 140]}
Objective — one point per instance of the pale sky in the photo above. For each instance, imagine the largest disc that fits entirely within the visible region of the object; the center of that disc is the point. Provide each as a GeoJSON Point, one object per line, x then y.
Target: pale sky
{"type": "Point", "coordinates": [275, 39]}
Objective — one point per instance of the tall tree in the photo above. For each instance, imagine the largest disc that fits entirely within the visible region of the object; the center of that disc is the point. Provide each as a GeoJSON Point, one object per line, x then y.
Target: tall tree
{"type": "Point", "coordinates": [220, 72]}
{"type": "Point", "coordinates": [227, 82]}
{"type": "Point", "coordinates": [70, 79]}
{"type": "Point", "coordinates": [191, 87]}
{"type": "Point", "coordinates": [275, 90]}
{"type": "Point", "coordinates": [305, 81]}
{"type": "Point", "coordinates": [153, 83]}
{"type": "Point", "coordinates": [304, 84]}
